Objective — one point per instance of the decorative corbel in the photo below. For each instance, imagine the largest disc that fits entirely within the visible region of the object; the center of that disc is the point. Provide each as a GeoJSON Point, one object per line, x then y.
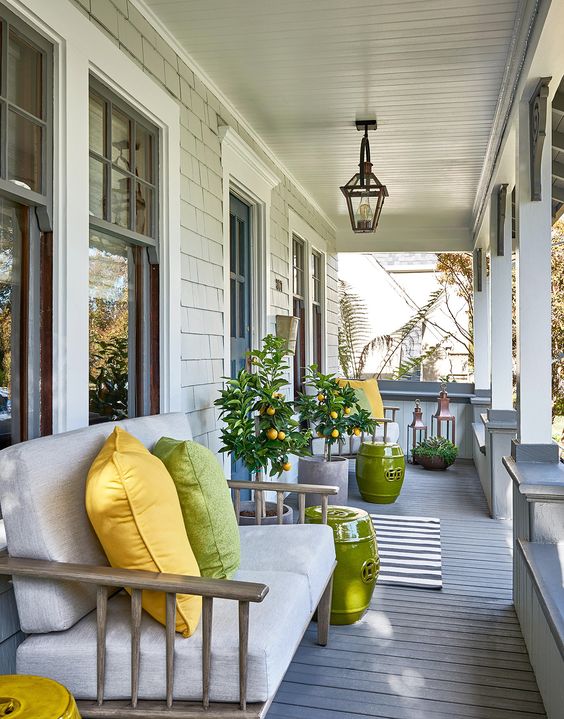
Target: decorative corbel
{"type": "Point", "coordinates": [501, 210]}
{"type": "Point", "coordinates": [537, 133]}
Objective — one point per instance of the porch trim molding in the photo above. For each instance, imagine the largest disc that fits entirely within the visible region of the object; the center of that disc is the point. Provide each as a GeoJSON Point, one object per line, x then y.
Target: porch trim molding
{"type": "Point", "coordinates": [66, 28]}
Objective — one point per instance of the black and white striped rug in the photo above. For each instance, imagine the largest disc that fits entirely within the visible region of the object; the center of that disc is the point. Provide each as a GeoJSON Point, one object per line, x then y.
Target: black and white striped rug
{"type": "Point", "coordinates": [410, 551]}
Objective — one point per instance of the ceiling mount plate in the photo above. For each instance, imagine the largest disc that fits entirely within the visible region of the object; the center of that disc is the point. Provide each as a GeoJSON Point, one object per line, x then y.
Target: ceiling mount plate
{"type": "Point", "coordinates": [368, 124]}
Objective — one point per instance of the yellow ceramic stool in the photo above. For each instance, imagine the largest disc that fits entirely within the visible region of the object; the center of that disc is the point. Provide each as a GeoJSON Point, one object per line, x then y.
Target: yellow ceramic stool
{"type": "Point", "coordinates": [26, 697]}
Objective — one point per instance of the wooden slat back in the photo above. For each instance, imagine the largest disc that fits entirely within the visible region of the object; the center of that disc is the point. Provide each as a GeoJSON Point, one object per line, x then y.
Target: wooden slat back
{"type": "Point", "coordinates": [170, 634]}
{"type": "Point", "coordinates": [243, 652]}
{"type": "Point", "coordinates": [102, 622]}
{"type": "Point", "coordinates": [301, 508]}
{"type": "Point", "coordinates": [207, 619]}
{"type": "Point", "coordinates": [279, 507]}
{"type": "Point", "coordinates": [237, 494]}
{"type": "Point", "coordinates": [135, 643]}
{"type": "Point", "coordinates": [258, 506]}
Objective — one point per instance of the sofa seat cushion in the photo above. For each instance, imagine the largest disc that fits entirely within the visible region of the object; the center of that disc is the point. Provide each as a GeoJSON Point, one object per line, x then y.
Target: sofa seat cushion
{"type": "Point", "coordinates": [306, 549]}
{"type": "Point", "coordinates": [277, 625]}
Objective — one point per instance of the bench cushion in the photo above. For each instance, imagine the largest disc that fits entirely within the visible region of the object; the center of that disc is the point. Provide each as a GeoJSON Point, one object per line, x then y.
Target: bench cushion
{"type": "Point", "coordinates": [276, 628]}
{"type": "Point", "coordinates": [42, 485]}
{"type": "Point", "coordinates": [306, 549]}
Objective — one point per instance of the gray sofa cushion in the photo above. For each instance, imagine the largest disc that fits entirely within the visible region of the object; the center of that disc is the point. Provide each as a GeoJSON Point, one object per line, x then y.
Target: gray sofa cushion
{"type": "Point", "coordinates": [306, 549]}
{"type": "Point", "coordinates": [42, 498]}
{"type": "Point", "coordinates": [276, 627]}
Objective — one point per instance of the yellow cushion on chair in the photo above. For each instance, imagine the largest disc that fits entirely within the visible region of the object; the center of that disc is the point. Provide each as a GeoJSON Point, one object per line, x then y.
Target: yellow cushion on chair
{"type": "Point", "coordinates": [133, 505]}
{"type": "Point", "coordinates": [371, 391]}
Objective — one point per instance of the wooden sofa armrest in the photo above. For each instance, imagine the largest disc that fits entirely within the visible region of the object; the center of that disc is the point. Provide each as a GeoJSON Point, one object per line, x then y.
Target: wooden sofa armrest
{"type": "Point", "coordinates": [134, 579]}
{"type": "Point", "coordinates": [324, 490]}
{"type": "Point", "coordinates": [137, 580]}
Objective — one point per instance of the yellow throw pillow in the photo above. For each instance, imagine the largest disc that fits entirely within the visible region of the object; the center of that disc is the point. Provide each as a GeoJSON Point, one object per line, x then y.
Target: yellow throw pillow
{"type": "Point", "coordinates": [372, 392]}
{"type": "Point", "coordinates": [133, 505]}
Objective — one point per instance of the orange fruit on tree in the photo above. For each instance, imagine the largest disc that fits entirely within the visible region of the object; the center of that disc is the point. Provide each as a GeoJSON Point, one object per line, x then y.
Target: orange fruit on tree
{"type": "Point", "coordinates": [347, 410]}
{"type": "Point", "coordinates": [272, 433]}
{"type": "Point", "coordinates": [270, 411]}
{"type": "Point", "coordinates": [335, 433]}
{"type": "Point", "coordinates": [281, 435]}
{"type": "Point", "coordinates": [334, 415]}
{"type": "Point", "coordinates": [320, 434]}
{"type": "Point", "coordinates": [287, 466]}
{"type": "Point", "coordinates": [356, 431]}
{"type": "Point", "coordinates": [320, 397]}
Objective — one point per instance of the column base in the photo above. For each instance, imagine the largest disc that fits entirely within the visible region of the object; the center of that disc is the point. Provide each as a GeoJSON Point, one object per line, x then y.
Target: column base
{"type": "Point", "coordinates": [534, 452]}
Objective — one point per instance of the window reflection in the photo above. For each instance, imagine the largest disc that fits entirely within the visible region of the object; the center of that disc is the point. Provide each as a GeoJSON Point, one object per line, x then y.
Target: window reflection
{"type": "Point", "coordinates": [110, 272]}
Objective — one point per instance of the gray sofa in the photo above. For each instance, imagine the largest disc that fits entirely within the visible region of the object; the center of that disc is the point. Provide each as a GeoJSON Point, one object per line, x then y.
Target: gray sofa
{"type": "Point", "coordinates": [83, 631]}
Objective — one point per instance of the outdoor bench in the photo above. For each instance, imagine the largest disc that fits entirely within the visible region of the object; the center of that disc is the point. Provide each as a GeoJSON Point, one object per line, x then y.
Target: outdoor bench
{"type": "Point", "coordinates": [85, 632]}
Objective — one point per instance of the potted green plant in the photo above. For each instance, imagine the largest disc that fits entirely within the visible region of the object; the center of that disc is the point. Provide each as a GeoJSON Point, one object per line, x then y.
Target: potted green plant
{"type": "Point", "coordinates": [333, 412]}
{"type": "Point", "coordinates": [259, 425]}
{"type": "Point", "coordinates": [436, 453]}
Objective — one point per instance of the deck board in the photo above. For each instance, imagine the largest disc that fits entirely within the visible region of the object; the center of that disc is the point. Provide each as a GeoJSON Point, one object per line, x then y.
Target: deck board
{"type": "Point", "coordinates": [423, 654]}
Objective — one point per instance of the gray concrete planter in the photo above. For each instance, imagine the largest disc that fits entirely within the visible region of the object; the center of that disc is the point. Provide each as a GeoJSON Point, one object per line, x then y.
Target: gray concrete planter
{"type": "Point", "coordinates": [287, 517]}
{"type": "Point", "coordinates": [315, 470]}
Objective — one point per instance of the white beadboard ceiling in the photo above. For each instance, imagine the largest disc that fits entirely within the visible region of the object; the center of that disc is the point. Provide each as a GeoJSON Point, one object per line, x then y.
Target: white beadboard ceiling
{"type": "Point", "coordinates": [301, 71]}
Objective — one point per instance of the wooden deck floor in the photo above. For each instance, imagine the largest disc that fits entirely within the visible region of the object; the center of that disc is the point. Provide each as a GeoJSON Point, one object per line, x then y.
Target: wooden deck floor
{"type": "Point", "coordinates": [422, 654]}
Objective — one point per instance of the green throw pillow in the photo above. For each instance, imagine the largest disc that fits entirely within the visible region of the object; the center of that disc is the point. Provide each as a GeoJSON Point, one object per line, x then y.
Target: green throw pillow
{"type": "Point", "coordinates": [207, 509]}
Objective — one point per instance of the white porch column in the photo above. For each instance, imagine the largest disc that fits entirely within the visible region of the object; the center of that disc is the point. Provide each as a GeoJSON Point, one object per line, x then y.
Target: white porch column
{"type": "Point", "coordinates": [534, 219]}
{"type": "Point", "coordinates": [481, 328]}
{"type": "Point", "coordinates": [501, 308]}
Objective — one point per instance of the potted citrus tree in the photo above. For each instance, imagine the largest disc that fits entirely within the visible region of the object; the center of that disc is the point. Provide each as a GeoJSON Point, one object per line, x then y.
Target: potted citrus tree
{"type": "Point", "coordinates": [436, 453]}
{"type": "Point", "coordinates": [334, 415]}
{"type": "Point", "coordinates": [259, 427]}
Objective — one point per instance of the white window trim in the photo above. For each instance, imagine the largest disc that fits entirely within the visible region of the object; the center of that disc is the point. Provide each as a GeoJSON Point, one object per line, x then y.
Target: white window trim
{"type": "Point", "coordinates": [312, 241]}
{"type": "Point", "coordinates": [246, 175]}
{"type": "Point", "coordinates": [80, 49]}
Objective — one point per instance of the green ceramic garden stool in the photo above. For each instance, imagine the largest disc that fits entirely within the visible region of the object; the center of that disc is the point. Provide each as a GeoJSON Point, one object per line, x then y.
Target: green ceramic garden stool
{"type": "Point", "coordinates": [358, 563]}
{"type": "Point", "coordinates": [380, 470]}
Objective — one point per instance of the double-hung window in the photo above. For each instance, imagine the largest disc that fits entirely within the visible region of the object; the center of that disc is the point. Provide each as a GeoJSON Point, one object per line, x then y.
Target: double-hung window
{"type": "Point", "coordinates": [26, 100]}
{"type": "Point", "coordinates": [124, 271]}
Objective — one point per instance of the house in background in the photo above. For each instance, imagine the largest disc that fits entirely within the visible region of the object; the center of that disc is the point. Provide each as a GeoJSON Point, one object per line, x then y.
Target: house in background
{"type": "Point", "coordinates": [394, 287]}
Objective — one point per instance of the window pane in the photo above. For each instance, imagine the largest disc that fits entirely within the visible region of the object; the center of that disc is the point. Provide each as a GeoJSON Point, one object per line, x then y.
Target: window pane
{"type": "Point", "coordinates": [144, 209]}
{"type": "Point", "coordinates": [24, 75]}
{"type": "Point", "coordinates": [96, 188]}
{"type": "Point", "coordinates": [120, 199]}
{"type": "Point", "coordinates": [10, 249]}
{"type": "Point", "coordinates": [24, 152]}
{"type": "Point", "coordinates": [121, 140]}
{"type": "Point", "coordinates": [96, 125]}
{"type": "Point", "coordinates": [144, 153]}
{"type": "Point", "coordinates": [109, 294]}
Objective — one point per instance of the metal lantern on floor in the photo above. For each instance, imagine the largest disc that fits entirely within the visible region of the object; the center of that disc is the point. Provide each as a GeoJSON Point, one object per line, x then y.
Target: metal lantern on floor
{"type": "Point", "coordinates": [416, 431]}
{"type": "Point", "coordinates": [444, 416]}
{"type": "Point", "coordinates": [364, 192]}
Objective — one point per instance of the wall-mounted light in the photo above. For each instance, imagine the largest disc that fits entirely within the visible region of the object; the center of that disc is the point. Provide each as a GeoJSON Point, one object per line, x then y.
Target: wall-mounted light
{"type": "Point", "coordinates": [364, 192]}
{"type": "Point", "coordinates": [287, 329]}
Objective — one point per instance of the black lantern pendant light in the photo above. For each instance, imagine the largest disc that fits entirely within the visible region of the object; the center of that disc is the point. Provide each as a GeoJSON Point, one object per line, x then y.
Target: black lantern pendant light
{"type": "Point", "coordinates": [364, 192]}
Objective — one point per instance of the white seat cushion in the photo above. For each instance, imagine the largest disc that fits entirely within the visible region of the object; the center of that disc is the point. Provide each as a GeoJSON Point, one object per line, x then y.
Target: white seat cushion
{"type": "Point", "coordinates": [306, 549]}
{"type": "Point", "coordinates": [276, 627]}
